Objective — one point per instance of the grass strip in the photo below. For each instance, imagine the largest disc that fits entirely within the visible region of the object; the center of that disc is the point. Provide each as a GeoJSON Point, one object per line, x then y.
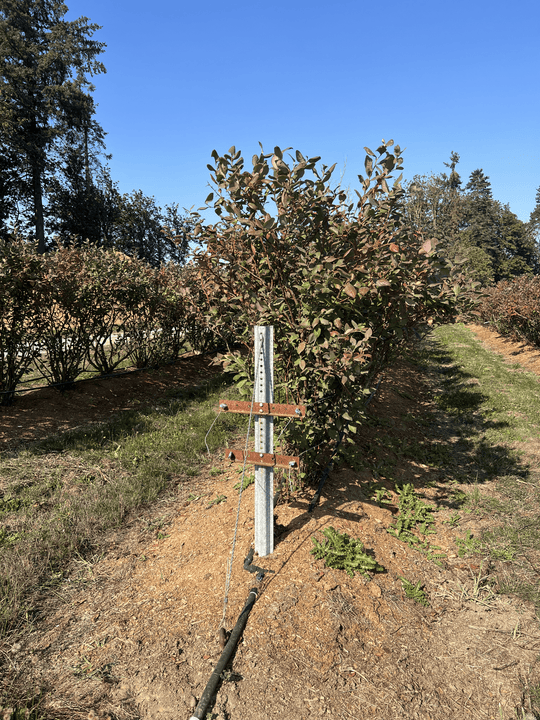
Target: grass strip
{"type": "Point", "coordinates": [58, 496]}
{"type": "Point", "coordinates": [494, 406]}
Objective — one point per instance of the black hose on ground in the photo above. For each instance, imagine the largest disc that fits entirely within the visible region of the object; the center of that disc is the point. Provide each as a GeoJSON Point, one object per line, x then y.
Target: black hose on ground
{"type": "Point", "coordinates": [70, 383]}
{"type": "Point", "coordinates": [228, 650]}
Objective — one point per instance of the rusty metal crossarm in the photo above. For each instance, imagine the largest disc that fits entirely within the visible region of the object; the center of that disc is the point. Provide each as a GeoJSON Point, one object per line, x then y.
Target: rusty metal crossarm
{"type": "Point", "coordinates": [275, 409]}
{"type": "Point", "coordinates": [290, 462]}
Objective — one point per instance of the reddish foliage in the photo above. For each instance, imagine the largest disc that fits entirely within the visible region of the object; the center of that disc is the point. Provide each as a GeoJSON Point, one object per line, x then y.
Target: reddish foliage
{"type": "Point", "coordinates": [344, 284]}
{"type": "Point", "coordinates": [88, 307]}
{"type": "Point", "coordinates": [513, 307]}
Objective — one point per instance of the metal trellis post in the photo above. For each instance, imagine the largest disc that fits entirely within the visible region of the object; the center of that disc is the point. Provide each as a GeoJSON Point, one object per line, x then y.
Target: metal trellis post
{"type": "Point", "coordinates": [264, 440]}
{"type": "Point", "coordinates": [264, 409]}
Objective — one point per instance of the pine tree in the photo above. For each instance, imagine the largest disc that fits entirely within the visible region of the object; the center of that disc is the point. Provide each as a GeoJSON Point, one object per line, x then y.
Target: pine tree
{"type": "Point", "coordinates": [520, 252]}
{"type": "Point", "coordinates": [45, 62]}
{"type": "Point", "coordinates": [496, 243]}
{"type": "Point", "coordinates": [75, 201]}
{"type": "Point", "coordinates": [534, 220]}
{"type": "Point", "coordinates": [454, 213]}
{"type": "Point", "coordinates": [471, 226]}
{"type": "Point", "coordinates": [10, 187]}
{"type": "Point", "coordinates": [479, 242]}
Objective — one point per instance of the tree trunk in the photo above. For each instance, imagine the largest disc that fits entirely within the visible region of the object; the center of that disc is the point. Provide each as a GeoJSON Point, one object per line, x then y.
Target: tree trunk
{"type": "Point", "coordinates": [38, 207]}
{"type": "Point", "coordinates": [86, 159]}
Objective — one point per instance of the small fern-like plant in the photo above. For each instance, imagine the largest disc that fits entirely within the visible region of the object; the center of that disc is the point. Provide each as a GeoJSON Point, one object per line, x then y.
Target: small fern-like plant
{"type": "Point", "coordinates": [414, 592]}
{"type": "Point", "coordinates": [342, 552]}
{"type": "Point", "coordinates": [248, 480]}
{"type": "Point", "coordinates": [413, 514]}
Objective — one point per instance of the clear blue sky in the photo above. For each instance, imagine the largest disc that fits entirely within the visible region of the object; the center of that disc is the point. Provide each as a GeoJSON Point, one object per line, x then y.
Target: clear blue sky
{"type": "Point", "coordinates": [326, 78]}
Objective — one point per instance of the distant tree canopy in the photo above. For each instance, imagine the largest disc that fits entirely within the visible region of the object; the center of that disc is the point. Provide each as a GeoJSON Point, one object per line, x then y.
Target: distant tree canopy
{"type": "Point", "coordinates": [473, 227]}
{"type": "Point", "coordinates": [53, 184]}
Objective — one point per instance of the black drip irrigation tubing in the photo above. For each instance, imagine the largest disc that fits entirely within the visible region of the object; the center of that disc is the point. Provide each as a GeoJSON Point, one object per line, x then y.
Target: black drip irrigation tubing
{"type": "Point", "coordinates": [236, 632]}
{"type": "Point", "coordinates": [25, 382]}
{"type": "Point", "coordinates": [228, 650]}
{"type": "Point", "coordinates": [70, 383]}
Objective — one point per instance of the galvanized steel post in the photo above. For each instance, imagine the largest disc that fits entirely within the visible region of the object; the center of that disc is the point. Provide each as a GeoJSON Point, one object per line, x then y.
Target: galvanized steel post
{"type": "Point", "coordinates": [264, 440]}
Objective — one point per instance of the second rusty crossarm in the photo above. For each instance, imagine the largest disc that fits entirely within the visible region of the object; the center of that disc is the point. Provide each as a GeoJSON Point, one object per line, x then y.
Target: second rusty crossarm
{"type": "Point", "coordinates": [290, 462]}
{"type": "Point", "coordinates": [275, 409]}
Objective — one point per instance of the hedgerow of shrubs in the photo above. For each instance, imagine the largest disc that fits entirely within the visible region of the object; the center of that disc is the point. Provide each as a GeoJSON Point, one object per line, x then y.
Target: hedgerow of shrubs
{"type": "Point", "coordinates": [344, 283]}
{"type": "Point", "coordinates": [512, 307]}
{"type": "Point", "coordinates": [22, 323]}
{"type": "Point", "coordinates": [88, 308]}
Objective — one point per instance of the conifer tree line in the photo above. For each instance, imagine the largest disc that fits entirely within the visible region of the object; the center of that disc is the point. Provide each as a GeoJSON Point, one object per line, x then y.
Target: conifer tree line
{"type": "Point", "coordinates": [54, 180]}
{"type": "Point", "coordinates": [472, 226]}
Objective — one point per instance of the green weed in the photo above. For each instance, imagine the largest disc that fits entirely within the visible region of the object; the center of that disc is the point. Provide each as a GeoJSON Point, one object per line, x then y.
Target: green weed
{"type": "Point", "coordinates": [415, 520]}
{"type": "Point", "coordinates": [217, 501]}
{"type": "Point", "coordinates": [468, 544]}
{"type": "Point", "coordinates": [414, 514]}
{"type": "Point", "coordinates": [380, 495]}
{"type": "Point", "coordinates": [453, 520]}
{"type": "Point", "coordinates": [248, 480]}
{"type": "Point", "coordinates": [342, 552]}
{"type": "Point", "coordinates": [414, 592]}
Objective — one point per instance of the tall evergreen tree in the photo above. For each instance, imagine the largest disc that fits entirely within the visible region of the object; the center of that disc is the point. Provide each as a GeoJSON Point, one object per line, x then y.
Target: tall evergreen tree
{"type": "Point", "coordinates": [10, 188]}
{"type": "Point", "coordinates": [520, 253]}
{"type": "Point", "coordinates": [75, 200]}
{"type": "Point", "coordinates": [454, 212]}
{"type": "Point", "coordinates": [479, 242]}
{"type": "Point", "coordinates": [45, 61]}
{"type": "Point", "coordinates": [471, 226]}
{"type": "Point", "coordinates": [496, 242]}
{"type": "Point", "coordinates": [534, 220]}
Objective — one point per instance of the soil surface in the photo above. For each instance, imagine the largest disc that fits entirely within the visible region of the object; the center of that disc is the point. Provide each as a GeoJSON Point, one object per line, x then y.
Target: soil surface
{"type": "Point", "coordinates": [37, 414]}
{"type": "Point", "coordinates": [133, 633]}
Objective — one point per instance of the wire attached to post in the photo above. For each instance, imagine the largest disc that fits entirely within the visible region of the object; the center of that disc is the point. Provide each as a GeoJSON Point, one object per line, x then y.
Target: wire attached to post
{"type": "Point", "coordinates": [230, 561]}
{"type": "Point", "coordinates": [210, 429]}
